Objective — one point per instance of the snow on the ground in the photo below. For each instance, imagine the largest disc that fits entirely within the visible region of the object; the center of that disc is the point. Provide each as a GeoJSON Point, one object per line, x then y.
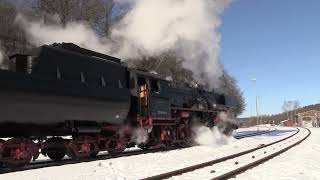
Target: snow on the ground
{"type": "Point", "coordinates": [250, 130]}
{"type": "Point", "coordinates": [140, 166]}
{"type": "Point", "coordinates": [229, 165]}
{"type": "Point", "coordinates": [300, 162]}
{"type": "Point", "coordinates": [46, 158]}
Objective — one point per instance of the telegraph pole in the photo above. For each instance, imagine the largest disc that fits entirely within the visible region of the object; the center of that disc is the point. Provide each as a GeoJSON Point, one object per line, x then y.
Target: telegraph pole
{"type": "Point", "coordinates": [254, 80]}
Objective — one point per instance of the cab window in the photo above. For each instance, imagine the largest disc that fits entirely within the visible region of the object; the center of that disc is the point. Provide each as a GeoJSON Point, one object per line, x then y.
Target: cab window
{"type": "Point", "coordinates": [155, 86]}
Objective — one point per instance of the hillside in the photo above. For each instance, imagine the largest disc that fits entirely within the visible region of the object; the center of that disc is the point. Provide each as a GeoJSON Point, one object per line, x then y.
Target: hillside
{"type": "Point", "coordinates": [277, 118]}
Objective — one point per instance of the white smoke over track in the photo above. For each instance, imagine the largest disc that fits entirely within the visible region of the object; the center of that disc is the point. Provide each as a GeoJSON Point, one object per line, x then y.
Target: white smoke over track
{"type": "Point", "coordinates": [150, 28]}
{"type": "Point", "coordinates": [139, 136]}
{"type": "Point", "coordinates": [211, 137]}
{"type": "Point", "coordinates": [1, 55]}
{"type": "Point", "coordinates": [215, 136]}
{"type": "Point", "coordinates": [227, 117]}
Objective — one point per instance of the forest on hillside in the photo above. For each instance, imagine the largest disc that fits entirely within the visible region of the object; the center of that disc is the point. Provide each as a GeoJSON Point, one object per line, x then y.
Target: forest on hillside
{"type": "Point", "coordinates": [277, 118]}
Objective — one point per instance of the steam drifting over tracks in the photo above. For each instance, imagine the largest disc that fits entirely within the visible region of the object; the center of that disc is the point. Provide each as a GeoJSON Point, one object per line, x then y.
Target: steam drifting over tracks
{"type": "Point", "coordinates": [214, 173]}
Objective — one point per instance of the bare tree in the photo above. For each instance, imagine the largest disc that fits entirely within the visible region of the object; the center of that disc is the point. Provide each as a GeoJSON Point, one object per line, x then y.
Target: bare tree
{"type": "Point", "coordinates": [167, 64]}
{"type": "Point", "coordinates": [109, 5]}
{"type": "Point", "coordinates": [229, 86]}
{"type": "Point", "coordinates": [296, 105]}
{"type": "Point", "coordinates": [62, 8]}
{"type": "Point", "coordinates": [286, 108]}
{"type": "Point", "coordinates": [289, 107]}
{"type": "Point", "coordinates": [97, 13]}
{"type": "Point", "coordinates": [11, 37]}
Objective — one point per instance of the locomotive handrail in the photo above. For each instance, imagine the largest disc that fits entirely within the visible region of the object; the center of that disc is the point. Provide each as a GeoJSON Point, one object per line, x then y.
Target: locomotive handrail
{"type": "Point", "coordinates": [199, 110]}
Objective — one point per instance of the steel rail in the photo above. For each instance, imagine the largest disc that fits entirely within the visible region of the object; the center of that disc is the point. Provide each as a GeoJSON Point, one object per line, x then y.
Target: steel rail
{"type": "Point", "coordinates": [50, 163]}
{"type": "Point", "coordinates": [253, 134]}
{"type": "Point", "coordinates": [212, 162]}
{"type": "Point", "coordinates": [242, 169]}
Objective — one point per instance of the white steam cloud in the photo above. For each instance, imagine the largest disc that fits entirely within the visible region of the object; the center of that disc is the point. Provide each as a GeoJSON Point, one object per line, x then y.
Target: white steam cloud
{"type": "Point", "coordinates": [227, 117]}
{"type": "Point", "coordinates": [188, 26]}
{"type": "Point", "coordinates": [78, 33]}
{"type": "Point", "coordinates": [151, 27]}
{"type": "Point", "coordinates": [1, 55]}
{"type": "Point", "coordinates": [215, 136]}
{"type": "Point", "coordinates": [139, 136]}
{"type": "Point", "coordinates": [211, 137]}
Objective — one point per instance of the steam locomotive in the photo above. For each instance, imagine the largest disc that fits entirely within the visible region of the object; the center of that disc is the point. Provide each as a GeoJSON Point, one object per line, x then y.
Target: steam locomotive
{"type": "Point", "coordinates": [66, 100]}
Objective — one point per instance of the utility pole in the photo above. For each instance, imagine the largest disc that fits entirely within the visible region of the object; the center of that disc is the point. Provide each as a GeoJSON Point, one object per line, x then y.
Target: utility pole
{"type": "Point", "coordinates": [257, 111]}
{"type": "Point", "coordinates": [254, 80]}
{"type": "Point", "coordinates": [290, 108]}
{"type": "Point", "coordinates": [260, 107]}
{"type": "Point", "coordinates": [296, 105]}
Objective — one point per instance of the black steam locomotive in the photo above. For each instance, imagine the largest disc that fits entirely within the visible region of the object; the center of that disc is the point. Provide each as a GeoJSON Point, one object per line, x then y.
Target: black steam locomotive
{"type": "Point", "coordinates": [78, 102]}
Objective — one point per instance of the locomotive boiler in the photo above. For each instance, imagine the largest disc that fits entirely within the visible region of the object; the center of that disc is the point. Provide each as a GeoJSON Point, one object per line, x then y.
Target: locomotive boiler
{"type": "Point", "coordinates": [97, 102]}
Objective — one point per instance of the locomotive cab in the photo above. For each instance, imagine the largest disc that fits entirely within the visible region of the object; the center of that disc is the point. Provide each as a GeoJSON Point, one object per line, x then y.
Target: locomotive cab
{"type": "Point", "coordinates": [149, 92]}
{"type": "Point", "coordinates": [143, 96]}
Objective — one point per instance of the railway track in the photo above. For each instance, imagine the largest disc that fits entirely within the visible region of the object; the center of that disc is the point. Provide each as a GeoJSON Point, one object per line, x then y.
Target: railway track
{"type": "Point", "coordinates": [262, 160]}
{"type": "Point", "coordinates": [49, 163]}
{"type": "Point", "coordinates": [211, 165]}
{"type": "Point", "coordinates": [253, 134]}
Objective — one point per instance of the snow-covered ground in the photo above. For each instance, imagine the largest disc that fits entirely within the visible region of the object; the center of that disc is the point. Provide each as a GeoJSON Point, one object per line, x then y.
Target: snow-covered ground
{"type": "Point", "coordinates": [229, 165]}
{"type": "Point", "coordinates": [301, 162]}
{"type": "Point", "coordinates": [136, 167]}
{"type": "Point", "coordinates": [250, 130]}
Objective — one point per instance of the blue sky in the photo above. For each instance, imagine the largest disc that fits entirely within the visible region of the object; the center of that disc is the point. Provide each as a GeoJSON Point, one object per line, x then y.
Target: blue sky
{"type": "Point", "coordinates": [278, 43]}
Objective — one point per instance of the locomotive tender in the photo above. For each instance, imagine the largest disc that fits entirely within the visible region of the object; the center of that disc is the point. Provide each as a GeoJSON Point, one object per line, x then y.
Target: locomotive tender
{"type": "Point", "coordinates": [97, 102]}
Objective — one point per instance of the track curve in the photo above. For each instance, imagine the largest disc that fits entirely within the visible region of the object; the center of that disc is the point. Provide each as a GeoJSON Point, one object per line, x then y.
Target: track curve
{"type": "Point", "coordinates": [210, 163]}
{"type": "Point", "coordinates": [49, 163]}
{"type": "Point", "coordinates": [253, 134]}
{"type": "Point", "coordinates": [260, 161]}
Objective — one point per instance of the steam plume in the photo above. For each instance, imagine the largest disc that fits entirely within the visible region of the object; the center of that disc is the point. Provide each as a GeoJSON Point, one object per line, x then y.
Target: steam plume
{"type": "Point", "coordinates": [188, 26]}
{"type": "Point", "coordinates": [151, 27]}
{"type": "Point", "coordinates": [227, 123]}
{"type": "Point", "coordinates": [225, 117]}
{"type": "Point", "coordinates": [217, 135]}
{"type": "Point", "coordinates": [1, 55]}
{"type": "Point", "coordinates": [39, 33]}
{"type": "Point", "coordinates": [139, 136]}
{"type": "Point", "coordinates": [210, 137]}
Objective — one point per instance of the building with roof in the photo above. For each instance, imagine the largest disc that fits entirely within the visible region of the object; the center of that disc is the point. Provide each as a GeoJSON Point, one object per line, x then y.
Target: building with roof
{"type": "Point", "coordinates": [288, 122]}
{"type": "Point", "coordinates": [309, 118]}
